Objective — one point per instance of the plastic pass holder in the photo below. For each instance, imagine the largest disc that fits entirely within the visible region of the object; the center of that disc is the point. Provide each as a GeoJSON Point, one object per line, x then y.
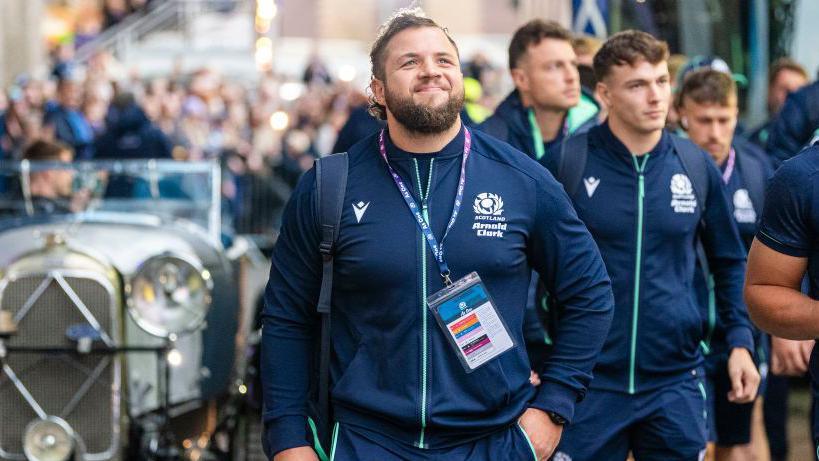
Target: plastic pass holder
{"type": "Point", "coordinates": [470, 321]}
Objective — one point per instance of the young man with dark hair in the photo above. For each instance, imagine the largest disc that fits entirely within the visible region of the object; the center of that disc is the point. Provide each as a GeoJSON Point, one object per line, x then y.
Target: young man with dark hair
{"type": "Point", "coordinates": [547, 103]}
{"type": "Point", "coordinates": [707, 104]}
{"type": "Point", "coordinates": [647, 198]}
{"type": "Point", "coordinates": [406, 383]}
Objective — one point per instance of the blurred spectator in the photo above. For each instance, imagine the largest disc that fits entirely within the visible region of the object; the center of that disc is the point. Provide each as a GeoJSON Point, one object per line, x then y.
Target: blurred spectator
{"type": "Point", "coordinates": [130, 135]}
{"type": "Point", "coordinates": [50, 191]}
{"type": "Point", "coordinates": [359, 125]}
{"type": "Point", "coordinates": [473, 112]}
{"type": "Point", "coordinates": [585, 47]}
{"type": "Point", "coordinates": [15, 128]}
{"type": "Point", "coordinates": [114, 11]}
{"type": "Point", "coordinates": [784, 77]}
{"type": "Point", "coordinates": [478, 67]}
{"type": "Point", "coordinates": [796, 125]}
{"type": "Point", "coordinates": [66, 123]}
{"type": "Point", "coordinates": [316, 72]}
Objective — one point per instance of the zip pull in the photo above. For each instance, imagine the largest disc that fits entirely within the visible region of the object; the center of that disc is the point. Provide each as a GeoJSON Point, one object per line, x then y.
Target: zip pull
{"type": "Point", "coordinates": [642, 185]}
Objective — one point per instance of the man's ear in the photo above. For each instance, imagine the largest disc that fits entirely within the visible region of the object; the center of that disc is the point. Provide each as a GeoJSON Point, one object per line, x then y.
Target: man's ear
{"type": "Point", "coordinates": [520, 79]}
{"type": "Point", "coordinates": [602, 92]}
{"type": "Point", "coordinates": [377, 87]}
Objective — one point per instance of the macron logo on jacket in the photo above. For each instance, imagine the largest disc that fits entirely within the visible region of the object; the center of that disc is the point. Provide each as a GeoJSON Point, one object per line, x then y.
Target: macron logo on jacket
{"type": "Point", "coordinates": [591, 184]}
{"type": "Point", "coordinates": [359, 209]}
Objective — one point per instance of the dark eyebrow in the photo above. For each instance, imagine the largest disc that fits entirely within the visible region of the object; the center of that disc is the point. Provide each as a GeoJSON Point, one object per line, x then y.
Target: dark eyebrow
{"type": "Point", "coordinates": [407, 55]}
{"type": "Point", "coordinates": [636, 80]}
{"type": "Point", "coordinates": [445, 54]}
{"type": "Point", "coordinates": [415, 55]}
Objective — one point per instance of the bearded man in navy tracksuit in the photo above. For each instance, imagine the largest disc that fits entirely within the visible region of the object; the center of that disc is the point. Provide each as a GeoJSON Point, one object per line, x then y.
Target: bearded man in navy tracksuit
{"type": "Point", "coordinates": [399, 390]}
{"type": "Point", "coordinates": [707, 104]}
{"type": "Point", "coordinates": [640, 204]}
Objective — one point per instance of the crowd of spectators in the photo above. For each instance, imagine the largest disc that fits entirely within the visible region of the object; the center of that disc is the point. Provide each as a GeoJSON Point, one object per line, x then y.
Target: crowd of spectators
{"type": "Point", "coordinates": [264, 134]}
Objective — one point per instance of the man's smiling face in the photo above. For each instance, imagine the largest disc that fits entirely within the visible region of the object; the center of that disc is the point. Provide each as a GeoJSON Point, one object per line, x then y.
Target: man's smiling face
{"type": "Point", "coordinates": [423, 84]}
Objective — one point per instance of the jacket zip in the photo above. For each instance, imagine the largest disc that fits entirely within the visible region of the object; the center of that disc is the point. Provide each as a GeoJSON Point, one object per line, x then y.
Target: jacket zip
{"type": "Point", "coordinates": [641, 194]}
{"type": "Point", "coordinates": [424, 195]}
{"type": "Point", "coordinates": [712, 316]}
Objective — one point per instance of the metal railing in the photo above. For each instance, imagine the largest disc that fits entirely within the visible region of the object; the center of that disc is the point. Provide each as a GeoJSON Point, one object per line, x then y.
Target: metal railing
{"type": "Point", "coordinates": [167, 15]}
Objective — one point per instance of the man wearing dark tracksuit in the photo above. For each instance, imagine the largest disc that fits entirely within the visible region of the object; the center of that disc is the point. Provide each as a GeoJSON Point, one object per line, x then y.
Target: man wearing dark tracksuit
{"type": "Point", "coordinates": [784, 251]}
{"type": "Point", "coordinates": [548, 103]}
{"type": "Point", "coordinates": [707, 104]}
{"type": "Point", "coordinates": [640, 203]}
{"type": "Point", "coordinates": [796, 125]}
{"type": "Point", "coordinates": [400, 390]}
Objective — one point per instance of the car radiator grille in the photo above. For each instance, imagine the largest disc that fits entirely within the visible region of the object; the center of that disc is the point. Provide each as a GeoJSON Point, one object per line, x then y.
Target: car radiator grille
{"type": "Point", "coordinates": [82, 389]}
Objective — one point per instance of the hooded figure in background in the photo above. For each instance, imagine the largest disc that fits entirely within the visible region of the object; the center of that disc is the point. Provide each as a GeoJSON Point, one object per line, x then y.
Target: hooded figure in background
{"type": "Point", "coordinates": [130, 135]}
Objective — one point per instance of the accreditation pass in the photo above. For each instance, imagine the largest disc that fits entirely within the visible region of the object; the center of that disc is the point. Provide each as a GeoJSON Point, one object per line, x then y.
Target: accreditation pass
{"type": "Point", "coordinates": [471, 322]}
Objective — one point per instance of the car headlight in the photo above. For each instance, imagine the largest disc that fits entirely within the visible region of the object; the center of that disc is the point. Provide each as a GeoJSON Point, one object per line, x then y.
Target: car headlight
{"type": "Point", "coordinates": [50, 439]}
{"type": "Point", "coordinates": [169, 295]}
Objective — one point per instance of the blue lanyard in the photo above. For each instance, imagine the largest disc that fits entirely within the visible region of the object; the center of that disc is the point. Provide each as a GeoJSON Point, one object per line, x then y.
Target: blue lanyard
{"type": "Point", "coordinates": [437, 249]}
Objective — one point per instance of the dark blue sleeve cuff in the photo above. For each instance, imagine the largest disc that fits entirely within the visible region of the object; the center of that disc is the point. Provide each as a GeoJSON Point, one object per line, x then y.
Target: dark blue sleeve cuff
{"type": "Point", "coordinates": [553, 396]}
{"type": "Point", "coordinates": [286, 432]}
{"type": "Point", "coordinates": [740, 336]}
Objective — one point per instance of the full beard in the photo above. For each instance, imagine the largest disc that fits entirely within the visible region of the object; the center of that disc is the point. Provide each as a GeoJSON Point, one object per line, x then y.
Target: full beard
{"type": "Point", "coordinates": [421, 118]}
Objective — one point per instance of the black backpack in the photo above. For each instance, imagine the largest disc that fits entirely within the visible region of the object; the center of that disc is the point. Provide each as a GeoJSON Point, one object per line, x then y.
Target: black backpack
{"type": "Point", "coordinates": [331, 184]}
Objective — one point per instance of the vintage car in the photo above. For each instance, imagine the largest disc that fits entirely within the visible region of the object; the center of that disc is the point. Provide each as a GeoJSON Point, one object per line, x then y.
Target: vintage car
{"type": "Point", "coordinates": [127, 316]}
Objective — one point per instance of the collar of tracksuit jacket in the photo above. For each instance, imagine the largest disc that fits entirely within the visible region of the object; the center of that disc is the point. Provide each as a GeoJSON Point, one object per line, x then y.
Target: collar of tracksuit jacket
{"type": "Point", "coordinates": [638, 208]}
{"type": "Point", "coordinates": [510, 123]}
{"type": "Point", "coordinates": [393, 372]}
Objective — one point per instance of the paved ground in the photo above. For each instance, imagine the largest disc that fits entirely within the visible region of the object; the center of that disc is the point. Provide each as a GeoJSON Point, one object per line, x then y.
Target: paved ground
{"type": "Point", "coordinates": [799, 430]}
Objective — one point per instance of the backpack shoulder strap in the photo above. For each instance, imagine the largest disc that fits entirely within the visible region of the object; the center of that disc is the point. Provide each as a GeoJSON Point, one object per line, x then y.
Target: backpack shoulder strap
{"type": "Point", "coordinates": [574, 153]}
{"type": "Point", "coordinates": [695, 164]}
{"type": "Point", "coordinates": [331, 184]}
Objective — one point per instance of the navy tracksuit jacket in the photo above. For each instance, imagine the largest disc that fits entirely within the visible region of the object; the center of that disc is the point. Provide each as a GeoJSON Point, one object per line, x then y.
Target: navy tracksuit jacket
{"type": "Point", "coordinates": [647, 242]}
{"type": "Point", "coordinates": [510, 123]}
{"type": "Point", "coordinates": [393, 372]}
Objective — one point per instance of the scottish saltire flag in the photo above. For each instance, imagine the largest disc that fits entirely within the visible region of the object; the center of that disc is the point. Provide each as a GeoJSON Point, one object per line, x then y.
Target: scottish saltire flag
{"type": "Point", "coordinates": [590, 17]}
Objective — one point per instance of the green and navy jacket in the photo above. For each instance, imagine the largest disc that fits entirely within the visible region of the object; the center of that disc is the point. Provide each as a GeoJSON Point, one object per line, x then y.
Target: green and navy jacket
{"type": "Point", "coordinates": [510, 123]}
{"type": "Point", "coordinates": [643, 213]}
{"type": "Point", "coordinates": [393, 373]}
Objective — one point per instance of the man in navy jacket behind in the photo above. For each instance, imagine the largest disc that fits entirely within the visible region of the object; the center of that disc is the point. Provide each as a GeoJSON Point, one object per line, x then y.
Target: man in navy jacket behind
{"type": "Point", "coordinates": [398, 389]}
{"type": "Point", "coordinates": [796, 125]}
{"type": "Point", "coordinates": [707, 104]}
{"type": "Point", "coordinates": [639, 203]}
{"type": "Point", "coordinates": [547, 103]}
